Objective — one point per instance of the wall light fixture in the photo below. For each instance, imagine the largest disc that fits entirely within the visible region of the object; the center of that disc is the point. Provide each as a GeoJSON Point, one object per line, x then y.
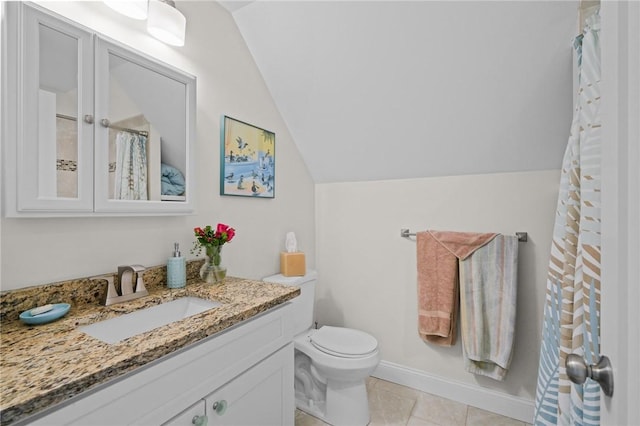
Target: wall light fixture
{"type": "Point", "coordinates": [166, 23]}
{"type": "Point", "coordinates": [136, 9]}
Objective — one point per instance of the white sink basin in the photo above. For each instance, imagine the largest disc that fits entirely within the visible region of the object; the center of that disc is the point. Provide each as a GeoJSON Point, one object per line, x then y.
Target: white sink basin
{"type": "Point", "coordinates": [119, 328]}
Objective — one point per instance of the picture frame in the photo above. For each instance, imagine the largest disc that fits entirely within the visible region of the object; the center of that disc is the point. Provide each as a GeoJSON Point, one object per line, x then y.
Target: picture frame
{"type": "Point", "coordinates": [247, 159]}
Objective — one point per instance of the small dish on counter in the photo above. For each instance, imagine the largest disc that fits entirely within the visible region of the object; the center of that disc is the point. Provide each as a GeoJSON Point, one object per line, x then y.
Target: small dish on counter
{"type": "Point", "coordinates": [58, 311]}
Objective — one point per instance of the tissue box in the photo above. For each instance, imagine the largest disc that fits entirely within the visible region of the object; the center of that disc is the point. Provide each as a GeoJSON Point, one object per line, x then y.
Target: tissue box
{"type": "Point", "coordinates": [292, 264]}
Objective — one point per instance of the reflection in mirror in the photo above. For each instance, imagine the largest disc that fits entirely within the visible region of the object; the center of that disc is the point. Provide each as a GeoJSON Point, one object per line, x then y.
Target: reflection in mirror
{"type": "Point", "coordinates": [147, 121]}
{"type": "Point", "coordinates": [57, 114]}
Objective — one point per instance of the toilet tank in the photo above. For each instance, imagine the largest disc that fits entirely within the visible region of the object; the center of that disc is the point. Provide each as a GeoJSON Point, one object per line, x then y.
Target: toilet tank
{"type": "Point", "coordinates": [303, 304]}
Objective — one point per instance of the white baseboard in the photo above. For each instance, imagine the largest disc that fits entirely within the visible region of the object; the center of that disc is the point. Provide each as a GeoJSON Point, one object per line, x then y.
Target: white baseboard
{"type": "Point", "coordinates": [506, 405]}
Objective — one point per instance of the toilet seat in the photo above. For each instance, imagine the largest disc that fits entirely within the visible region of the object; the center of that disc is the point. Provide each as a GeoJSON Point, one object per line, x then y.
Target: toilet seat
{"type": "Point", "coordinates": [343, 342]}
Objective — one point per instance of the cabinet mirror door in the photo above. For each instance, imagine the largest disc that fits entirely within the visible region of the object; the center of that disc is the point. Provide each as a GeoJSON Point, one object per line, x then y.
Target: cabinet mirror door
{"type": "Point", "coordinates": [56, 157]}
{"type": "Point", "coordinates": [144, 111]}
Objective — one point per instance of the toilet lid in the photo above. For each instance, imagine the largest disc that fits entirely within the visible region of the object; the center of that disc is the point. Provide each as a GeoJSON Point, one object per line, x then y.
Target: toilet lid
{"type": "Point", "coordinates": [344, 342]}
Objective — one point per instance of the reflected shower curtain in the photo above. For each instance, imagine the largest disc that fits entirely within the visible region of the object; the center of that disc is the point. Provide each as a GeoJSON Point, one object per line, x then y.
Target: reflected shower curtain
{"type": "Point", "coordinates": [572, 303]}
{"type": "Point", "coordinates": [131, 167]}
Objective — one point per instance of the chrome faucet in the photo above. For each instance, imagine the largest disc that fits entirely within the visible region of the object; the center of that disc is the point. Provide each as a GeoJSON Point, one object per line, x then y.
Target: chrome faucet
{"type": "Point", "coordinates": [130, 285]}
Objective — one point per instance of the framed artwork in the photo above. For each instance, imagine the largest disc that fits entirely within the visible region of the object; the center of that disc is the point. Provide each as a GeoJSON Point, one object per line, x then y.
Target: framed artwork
{"type": "Point", "coordinates": [247, 160]}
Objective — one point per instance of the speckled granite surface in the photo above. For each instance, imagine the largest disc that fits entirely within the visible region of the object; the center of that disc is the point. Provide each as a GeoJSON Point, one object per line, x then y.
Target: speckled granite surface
{"type": "Point", "coordinates": [43, 365]}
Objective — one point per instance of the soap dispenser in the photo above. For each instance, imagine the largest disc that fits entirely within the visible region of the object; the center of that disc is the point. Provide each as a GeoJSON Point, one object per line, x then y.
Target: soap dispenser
{"type": "Point", "coordinates": [176, 269]}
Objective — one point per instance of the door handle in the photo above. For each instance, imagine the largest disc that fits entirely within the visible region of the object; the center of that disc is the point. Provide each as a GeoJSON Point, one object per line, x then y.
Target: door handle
{"type": "Point", "coordinates": [602, 372]}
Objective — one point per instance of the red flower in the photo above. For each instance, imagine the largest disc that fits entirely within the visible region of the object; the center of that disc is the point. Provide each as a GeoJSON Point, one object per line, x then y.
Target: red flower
{"type": "Point", "coordinates": [207, 237]}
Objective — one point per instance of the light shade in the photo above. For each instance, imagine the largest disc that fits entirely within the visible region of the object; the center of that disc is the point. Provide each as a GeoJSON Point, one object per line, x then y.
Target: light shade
{"type": "Point", "coordinates": [166, 23]}
{"type": "Point", "coordinates": [136, 9]}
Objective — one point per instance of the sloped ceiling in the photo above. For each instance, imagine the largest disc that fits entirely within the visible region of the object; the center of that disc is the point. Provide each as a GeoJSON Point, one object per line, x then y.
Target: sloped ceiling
{"type": "Point", "coordinates": [376, 90]}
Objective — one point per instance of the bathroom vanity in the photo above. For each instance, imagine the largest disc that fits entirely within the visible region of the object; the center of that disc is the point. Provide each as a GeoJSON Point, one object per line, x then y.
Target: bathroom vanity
{"type": "Point", "coordinates": [232, 364]}
{"type": "Point", "coordinates": [247, 370]}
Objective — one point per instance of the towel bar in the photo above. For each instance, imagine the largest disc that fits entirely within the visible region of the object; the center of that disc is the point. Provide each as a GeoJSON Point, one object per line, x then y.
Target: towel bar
{"type": "Point", "coordinates": [522, 236]}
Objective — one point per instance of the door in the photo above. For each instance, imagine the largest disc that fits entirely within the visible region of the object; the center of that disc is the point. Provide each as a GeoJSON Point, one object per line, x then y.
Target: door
{"type": "Point", "coordinates": [620, 333]}
{"type": "Point", "coordinates": [54, 153]}
{"type": "Point", "coordinates": [261, 396]}
{"type": "Point", "coordinates": [145, 111]}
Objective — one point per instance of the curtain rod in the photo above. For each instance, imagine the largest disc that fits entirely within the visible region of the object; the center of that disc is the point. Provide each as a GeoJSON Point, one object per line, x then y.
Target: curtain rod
{"type": "Point", "coordinates": [138, 132]}
{"type": "Point", "coordinates": [522, 236]}
{"type": "Point", "coordinates": [66, 117]}
{"type": "Point", "coordinates": [106, 123]}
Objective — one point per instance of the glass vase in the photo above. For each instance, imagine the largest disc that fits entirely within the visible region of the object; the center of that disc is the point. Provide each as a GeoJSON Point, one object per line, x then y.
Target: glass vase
{"type": "Point", "coordinates": [212, 272]}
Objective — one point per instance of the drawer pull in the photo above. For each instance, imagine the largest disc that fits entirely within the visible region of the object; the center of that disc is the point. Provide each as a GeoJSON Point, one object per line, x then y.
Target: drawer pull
{"type": "Point", "coordinates": [220, 407]}
{"type": "Point", "coordinates": [200, 420]}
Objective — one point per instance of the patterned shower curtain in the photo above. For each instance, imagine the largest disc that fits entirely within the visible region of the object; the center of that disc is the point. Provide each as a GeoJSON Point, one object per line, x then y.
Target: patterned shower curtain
{"type": "Point", "coordinates": [131, 167]}
{"type": "Point", "coordinates": [572, 304]}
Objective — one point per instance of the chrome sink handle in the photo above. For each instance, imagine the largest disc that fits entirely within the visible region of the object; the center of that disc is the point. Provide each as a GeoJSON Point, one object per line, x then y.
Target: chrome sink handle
{"type": "Point", "coordinates": [139, 269]}
{"type": "Point", "coordinates": [111, 286]}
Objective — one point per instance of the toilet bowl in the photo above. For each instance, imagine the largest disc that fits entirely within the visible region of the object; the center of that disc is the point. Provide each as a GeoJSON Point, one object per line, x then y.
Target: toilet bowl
{"type": "Point", "coordinates": [331, 363]}
{"type": "Point", "coordinates": [342, 370]}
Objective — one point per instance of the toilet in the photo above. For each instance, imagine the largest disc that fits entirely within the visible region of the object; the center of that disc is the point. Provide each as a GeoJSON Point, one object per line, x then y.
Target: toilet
{"type": "Point", "coordinates": [331, 363]}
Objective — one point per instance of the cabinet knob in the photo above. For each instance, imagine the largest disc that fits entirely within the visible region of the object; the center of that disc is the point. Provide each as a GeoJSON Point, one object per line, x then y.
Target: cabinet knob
{"type": "Point", "coordinates": [220, 407]}
{"type": "Point", "coordinates": [200, 420]}
{"type": "Point", "coordinates": [88, 119]}
{"type": "Point", "coordinates": [105, 122]}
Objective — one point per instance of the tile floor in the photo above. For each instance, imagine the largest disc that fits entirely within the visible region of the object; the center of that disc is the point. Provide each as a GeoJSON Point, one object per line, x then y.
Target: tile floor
{"type": "Point", "coordinates": [392, 404]}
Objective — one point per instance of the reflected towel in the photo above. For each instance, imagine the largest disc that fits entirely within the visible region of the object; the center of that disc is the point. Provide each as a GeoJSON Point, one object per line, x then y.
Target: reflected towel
{"type": "Point", "coordinates": [172, 181]}
{"type": "Point", "coordinates": [437, 261]}
{"type": "Point", "coordinates": [131, 167]}
{"type": "Point", "coordinates": [488, 282]}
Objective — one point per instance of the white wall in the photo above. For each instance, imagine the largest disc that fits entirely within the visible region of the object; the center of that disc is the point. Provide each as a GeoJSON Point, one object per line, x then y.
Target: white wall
{"type": "Point", "coordinates": [367, 272]}
{"type": "Point", "coordinates": [39, 251]}
{"type": "Point", "coordinates": [390, 89]}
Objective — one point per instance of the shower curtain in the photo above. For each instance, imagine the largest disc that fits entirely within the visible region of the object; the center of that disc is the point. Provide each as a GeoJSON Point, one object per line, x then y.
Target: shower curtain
{"type": "Point", "coordinates": [131, 167]}
{"type": "Point", "coordinates": [572, 303]}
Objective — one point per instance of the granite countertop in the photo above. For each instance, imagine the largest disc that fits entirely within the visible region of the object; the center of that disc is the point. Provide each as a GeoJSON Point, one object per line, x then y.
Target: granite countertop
{"type": "Point", "coordinates": [47, 364]}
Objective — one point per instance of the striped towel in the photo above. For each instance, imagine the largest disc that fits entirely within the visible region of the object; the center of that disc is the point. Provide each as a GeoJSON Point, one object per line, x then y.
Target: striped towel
{"type": "Point", "coordinates": [488, 283]}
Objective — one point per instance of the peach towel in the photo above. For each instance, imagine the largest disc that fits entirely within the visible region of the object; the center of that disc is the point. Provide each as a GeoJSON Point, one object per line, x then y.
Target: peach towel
{"type": "Point", "coordinates": [438, 289]}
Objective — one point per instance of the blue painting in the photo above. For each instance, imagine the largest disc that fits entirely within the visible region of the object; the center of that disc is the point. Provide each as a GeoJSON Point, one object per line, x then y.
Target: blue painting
{"type": "Point", "coordinates": [247, 160]}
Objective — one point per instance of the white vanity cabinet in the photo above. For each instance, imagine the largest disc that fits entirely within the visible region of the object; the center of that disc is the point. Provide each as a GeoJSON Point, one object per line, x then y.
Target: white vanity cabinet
{"type": "Point", "coordinates": [90, 126]}
{"type": "Point", "coordinates": [242, 376]}
{"type": "Point", "coordinates": [256, 397]}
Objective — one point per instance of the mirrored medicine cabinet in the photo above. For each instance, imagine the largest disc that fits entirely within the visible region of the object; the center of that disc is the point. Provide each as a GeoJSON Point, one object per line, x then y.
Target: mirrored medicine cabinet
{"type": "Point", "coordinates": [92, 127]}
